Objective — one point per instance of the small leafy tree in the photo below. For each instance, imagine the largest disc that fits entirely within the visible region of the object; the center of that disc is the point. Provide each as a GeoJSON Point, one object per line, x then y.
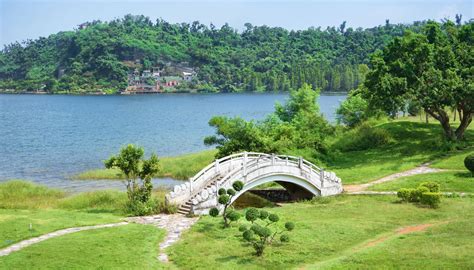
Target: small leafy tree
{"type": "Point", "coordinates": [260, 233]}
{"type": "Point", "coordinates": [353, 110]}
{"type": "Point", "coordinates": [225, 199]}
{"type": "Point", "coordinates": [138, 173]}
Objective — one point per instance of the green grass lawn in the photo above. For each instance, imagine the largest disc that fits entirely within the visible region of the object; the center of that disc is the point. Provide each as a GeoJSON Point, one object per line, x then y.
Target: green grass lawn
{"type": "Point", "coordinates": [414, 143]}
{"type": "Point", "coordinates": [444, 246]}
{"type": "Point", "coordinates": [15, 223]}
{"type": "Point", "coordinates": [179, 167]}
{"type": "Point", "coordinates": [449, 182]}
{"type": "Point", "coordinates": [454, 161]}
{"type": "Point", "coordinates": [126, 247]}
{"type": "Point", "coordinates": [324, 231]}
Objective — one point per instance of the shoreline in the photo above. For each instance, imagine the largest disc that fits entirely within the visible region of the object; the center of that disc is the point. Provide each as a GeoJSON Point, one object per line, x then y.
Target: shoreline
{"type": "Point", "coordinates": [152, 94]}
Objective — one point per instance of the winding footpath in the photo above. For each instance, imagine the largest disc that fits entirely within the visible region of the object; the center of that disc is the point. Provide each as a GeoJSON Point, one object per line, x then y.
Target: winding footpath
{"type": "Point", "coordinates": [26, 243]}
{"type": "Point", "coordinates": [361, 189]}
{"type": "Point", "coordinates": [174, 225]}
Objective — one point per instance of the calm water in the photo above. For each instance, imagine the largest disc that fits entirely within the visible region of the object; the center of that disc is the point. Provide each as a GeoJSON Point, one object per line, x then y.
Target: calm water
{"type": "Point", "coordinates": [48, 139]}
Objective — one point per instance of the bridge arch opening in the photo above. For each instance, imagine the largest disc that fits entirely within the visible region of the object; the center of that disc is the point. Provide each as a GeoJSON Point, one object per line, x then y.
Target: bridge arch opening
{"type": "Point", "coordinates": [289, 188]}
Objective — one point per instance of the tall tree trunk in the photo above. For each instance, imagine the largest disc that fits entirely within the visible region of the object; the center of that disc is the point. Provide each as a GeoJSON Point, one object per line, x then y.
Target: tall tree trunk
{"type": "Point", "coordinates": [443, 118]}
{"type": "Point", "coordinates": [465, 118]}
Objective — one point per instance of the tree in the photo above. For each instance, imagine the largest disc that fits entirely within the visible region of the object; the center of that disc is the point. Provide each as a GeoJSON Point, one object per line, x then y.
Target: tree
{"type": "Point", "coordinates": [225, 199]}
{"type": "Point", "coordinates": [131, 163]}
{"type": "Point", "coordinates": [353, 110]}
{"type": "Point", "coordinates": [433, 68]}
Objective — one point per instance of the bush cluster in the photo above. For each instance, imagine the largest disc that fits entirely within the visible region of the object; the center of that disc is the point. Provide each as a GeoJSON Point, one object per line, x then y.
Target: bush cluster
{"type": "Point", "coordinates": [427, 193]}
{"type": "Point", "coordinates": [364, 137]}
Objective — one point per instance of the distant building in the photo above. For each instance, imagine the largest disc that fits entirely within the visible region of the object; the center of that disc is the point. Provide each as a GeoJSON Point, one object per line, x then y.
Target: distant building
{"type": "Point", "coordinates": [188, 76]}
{"type": "Point", "coordinates": [146, 73]}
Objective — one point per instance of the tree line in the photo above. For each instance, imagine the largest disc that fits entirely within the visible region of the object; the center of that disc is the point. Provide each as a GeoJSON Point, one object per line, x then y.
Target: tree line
{"type": "Point", "coordinates": [100, 55]}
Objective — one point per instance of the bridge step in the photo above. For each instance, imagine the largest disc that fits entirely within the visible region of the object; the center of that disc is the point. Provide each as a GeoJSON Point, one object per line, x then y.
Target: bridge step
{"type": "Point", "coordinates": [185, 208]}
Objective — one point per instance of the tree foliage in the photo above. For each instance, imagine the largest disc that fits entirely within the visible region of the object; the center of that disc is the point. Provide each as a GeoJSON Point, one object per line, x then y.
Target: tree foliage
{"type": "Point", "coordinates": [295, 125]}
{"type": "Point", "coordinates": [259, 58]}
{"type": "Point", "coordinates": [434, 68]}
{"type": "Point", "coordinates": [138, 173]}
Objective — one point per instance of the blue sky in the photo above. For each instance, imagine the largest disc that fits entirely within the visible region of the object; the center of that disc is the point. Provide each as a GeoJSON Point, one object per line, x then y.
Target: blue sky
{"type": "Point", "coordinates": [30, 19]}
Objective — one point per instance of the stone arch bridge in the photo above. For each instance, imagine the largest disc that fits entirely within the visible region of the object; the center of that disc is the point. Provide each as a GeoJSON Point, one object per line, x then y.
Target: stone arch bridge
{"type": "Point", "coordinates": [299, 177]}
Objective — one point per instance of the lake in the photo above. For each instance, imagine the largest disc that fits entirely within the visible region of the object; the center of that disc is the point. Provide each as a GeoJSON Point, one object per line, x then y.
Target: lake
{"type": "Point", "coordinates": [49, 138]}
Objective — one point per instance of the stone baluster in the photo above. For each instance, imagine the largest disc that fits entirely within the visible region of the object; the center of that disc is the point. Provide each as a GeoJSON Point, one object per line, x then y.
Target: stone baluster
{"type": "Point", "coordinates": [245, 163]}
{"type": "Point", "coordinates": [321, 176]}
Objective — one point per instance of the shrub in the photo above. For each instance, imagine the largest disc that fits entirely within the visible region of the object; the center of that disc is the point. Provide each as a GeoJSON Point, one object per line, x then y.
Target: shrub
{"type": "Point", "coordinates": [214, 212]}
{"type": "Point", "coordinates": [469, 163]}
{"type": "Point", "coordinates": [431, 199]}
{"type": "Point", "coordinates": [404, 194]}
{"type": "Point", "coordinates": [431, 186]}
{"type": "Point", "coordinates": [416, 194]}
{"type": "Point", "coordinates": [363, 137]}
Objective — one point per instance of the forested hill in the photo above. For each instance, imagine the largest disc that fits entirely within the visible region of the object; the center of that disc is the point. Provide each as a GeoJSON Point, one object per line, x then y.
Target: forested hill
{"type": "Point", "coordinates": [99, 56]}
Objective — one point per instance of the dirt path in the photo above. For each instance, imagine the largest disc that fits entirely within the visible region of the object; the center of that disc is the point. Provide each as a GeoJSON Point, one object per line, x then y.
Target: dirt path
{"type": "Point", "coordinates": [360, 189]}
{"type": "Point", "coordinates": [374, 242]}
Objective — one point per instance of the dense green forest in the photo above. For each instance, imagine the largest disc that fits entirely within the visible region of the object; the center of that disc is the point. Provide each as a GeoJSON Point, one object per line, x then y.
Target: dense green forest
{"type": "Point", "coordinates": [98, 56]}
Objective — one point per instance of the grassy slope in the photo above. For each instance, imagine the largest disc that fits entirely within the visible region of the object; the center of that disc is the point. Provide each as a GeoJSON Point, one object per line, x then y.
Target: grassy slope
{"type": "Point", "coordinates": [414, 143]}
{"type": "Point", "coordinates": [127, 247]}
{"type": "Point", "coordinates": [323, 232]}
{"type": "Point", "coordinates": [179, 167]}
{"type": "Point", "coordinates": [449, 182]}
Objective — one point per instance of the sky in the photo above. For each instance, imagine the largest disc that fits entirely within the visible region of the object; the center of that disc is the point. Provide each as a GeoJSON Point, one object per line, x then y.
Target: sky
{"type": "Point", "coordinates": [30, 19]}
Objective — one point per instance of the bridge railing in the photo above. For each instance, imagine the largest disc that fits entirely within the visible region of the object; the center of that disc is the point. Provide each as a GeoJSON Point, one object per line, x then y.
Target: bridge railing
{"type": "Point", "coordinates": [245, 163]}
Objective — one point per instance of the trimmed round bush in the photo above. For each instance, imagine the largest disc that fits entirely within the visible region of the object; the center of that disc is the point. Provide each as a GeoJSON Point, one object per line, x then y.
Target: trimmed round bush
{"type": "Point", "coordinates": [224, 199]}
{"type": "Point", "coordinates": [431, 199]}
{"type": "Point", "coordinates": [289, 226]}
{"type": "Point", "coordinates": [273, 217]}
{"type": "Point", "coordinates": [231, 192]}
{"type": "Point", "coordinates": [284, 238]}
{"type": "Point", "coordinates": [469, 163]}
{"type": "Point", "coordinates": [404, 194]}
{"type": "Point", "coordinates": [432, 186]}
{"type": "Point", "coordinates": [263, 214]}
{"type": "Point", "coordinates": [233, 215]}
{"type": "Point", "coordinates": [243, 228]}
{"type": "Point", "coordinates": [238, 185]}
{"type": "Point", "coordinates": [248, 235]}
{"type": "Point", "coordinates": [221, 191]}
{"type": "Point", "coordinates": [214, 212]}
{"type": "Point", "coordinates": [252, 214]}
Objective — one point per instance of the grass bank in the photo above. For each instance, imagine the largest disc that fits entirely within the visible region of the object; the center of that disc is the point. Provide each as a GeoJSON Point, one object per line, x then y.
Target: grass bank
{"type": "Point", "coordinates": [178, 167]}
{"type": "Point", "coordinates": [333, 228]}
{"type": "Point", "coordinates": [449, 182]}
{"type": "Point", "coordinates": [412, 143]}
{"type": "Point", "coordinates": [24, 204]}
{"type": "Point", "coordinates": [126, 247]}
